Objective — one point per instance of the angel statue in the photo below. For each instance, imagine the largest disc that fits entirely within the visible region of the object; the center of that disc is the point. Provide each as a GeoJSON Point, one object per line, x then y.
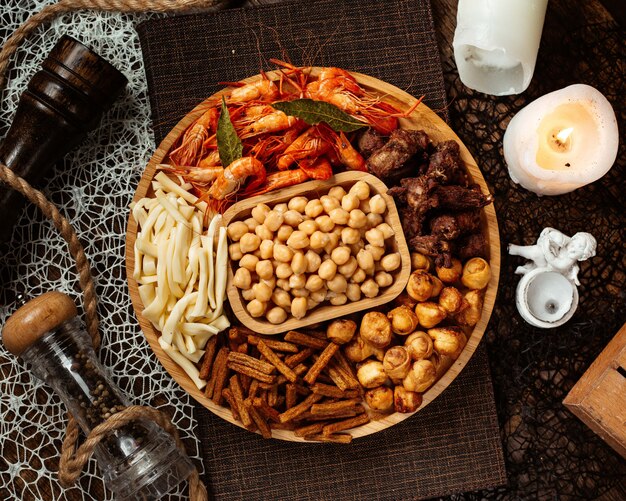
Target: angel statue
{"type": "Point", "coordinates": [556, 251]}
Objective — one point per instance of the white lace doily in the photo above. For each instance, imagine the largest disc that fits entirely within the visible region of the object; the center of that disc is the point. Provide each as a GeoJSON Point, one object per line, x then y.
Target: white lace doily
{"type": "Point", "coordinates": [93, 188]}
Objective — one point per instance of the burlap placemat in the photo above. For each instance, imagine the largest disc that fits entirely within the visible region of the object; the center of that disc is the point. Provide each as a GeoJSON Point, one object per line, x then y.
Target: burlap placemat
{"type": "Point", "coordinates": [451, 446]}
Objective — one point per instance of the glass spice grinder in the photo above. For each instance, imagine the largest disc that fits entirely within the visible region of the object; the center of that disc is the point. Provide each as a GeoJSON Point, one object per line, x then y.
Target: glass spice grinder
{"type": "Point", "coordinates": [138, 461]}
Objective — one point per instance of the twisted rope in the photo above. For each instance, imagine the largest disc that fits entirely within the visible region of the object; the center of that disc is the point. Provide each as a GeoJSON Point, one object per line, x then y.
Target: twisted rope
{"type": "Point", "coordinates": [72, 460]}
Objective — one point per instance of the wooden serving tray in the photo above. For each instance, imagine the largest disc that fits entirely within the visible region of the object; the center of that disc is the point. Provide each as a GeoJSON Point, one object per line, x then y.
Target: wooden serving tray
{"type": "Point", "coordinates": [422, 118]}
{"type": "Point", "coordinates": [241, 210]}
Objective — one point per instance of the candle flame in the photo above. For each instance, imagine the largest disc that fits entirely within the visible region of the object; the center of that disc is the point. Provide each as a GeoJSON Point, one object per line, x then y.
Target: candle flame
{"type": "Point", "coordinates": [562, 136]}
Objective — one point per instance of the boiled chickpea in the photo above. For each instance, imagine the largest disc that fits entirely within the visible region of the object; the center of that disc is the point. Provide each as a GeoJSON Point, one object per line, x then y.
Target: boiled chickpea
{"type": "Point", "coordinates": [339, 216]}
{"type": "Point", "coordinates": [357, 247]}
{"type": "Point", "coordinates": [281, 298]}
{"type": "Point", "coordinates": [298, 307]}
{"type": "Point", "coordinates": [357, 219]}
{"type": "Point", "coordinates": [248, 294]}
{"type": "Point", "coordinates": [308, 227]}
{"type": "Point", "coordinates": [338, 283]}
{"type": "Point", "coordinates": [361, 189]}
{"type": "Point", "coordinates": [365, 260]}
{"type": "Point", "coordinates": [313, 261]}
{"type": "Point", "coordinates": [319, 295]}
{"type": "Point", "coordinates": [293, 218]}
{"type": "Point", "coordinates": [283, 270]}
{"type": "Point", "coordinates": [298, 240]}
{"type": "Point", "coordinates": [348, 269]}
{"type": "Point", "coordinates": [251, 223]}
{"type": "Point", "coordinates": [256, 308]}
{"type": "Point", "coordinates": [297, 281]}
{"type": "Point", "coordinates": [298, 204]}
{"type": "Point", "coordinates": [262, 292]}
{"type": "Point", "coordinates": [337, 192]}
{"type": "Point", "coordinates": [248, 261]}
{"type": "Point", "coordinates": [314, 283]}
{"type": "Point", "coordinates": [340, 255]}
{"type": "Point", "coordinates": [350, 202]}
{"type": "Point", "coordinates": [325, 223]}
{"type": "Point", "coordinates": [386, 230]}
{"type": "Point", "coordinates": [284, 232]}
{"type": "Point", "coordinates": [298, 263]}
{"type": "Point", "coordinates": [313, 208]}
{"type": "Point", "coordinates": [300, 292]}
{"type": "Point", "coordinates": [310, 303]}
{"type": "Point", "coordinates": [391, 262]}
{"type": "Point", "coordinates": [263, 232]}
{"type": "Point", "coordinates": [378, 204]}
{"type": "Point", "coordinates": [333, 240]}
{"type": "Point", "coordinates": [270, 282]}
{"type": "Point", "coordinates": [383, 279]}
{"type": "Point", "coordinates": [373, 220]}
{"type": "Point", "coordinates": [234, 251]}
{"type": "Point", "coordinates": [283, 283]}
{"type": "Point", "coordinates": [276, 315]}
{"type": "Point", "coordinates": [375, 237]}
{"type": "Point", "coordinates": [273, 220]}
{"type": "Point", "coordinates": [260, 212]}
{"type": "Point", "coordinates": [236, 230]}
{"type": "Point", "coordinates": [266, 249]}
{"type": "Point", "coordinates": [242, 278]}
{"type": "Point", "coordinates": [264, 269]}
{"type": "Point", "coordinates": [249, 243]}
{"type": "Point", "coordinates": [327, 269]}
{"type": "Point", "coordinates": [318, 240]}
{"type": "Point", "coordinates": [358, 276]}
{"type": "Point", "coordinates": [376, 252]}
{"type": "Point", "coordinates": [281, 208]}
{"type": "Point", "coordinates": [350, 236]}
{"type": "Point", "coordinates": [365, 206]}
{"type": "Point", "coordinates": [337, 299]}
{"type": "Point", "coordinates": [329, 203]}
{"type": "Point", "coordinates": [353, 292]}
{"type": "Point", "coordinates": [283, 253]}
{"type": "Point", "coordinates": [369, 288]}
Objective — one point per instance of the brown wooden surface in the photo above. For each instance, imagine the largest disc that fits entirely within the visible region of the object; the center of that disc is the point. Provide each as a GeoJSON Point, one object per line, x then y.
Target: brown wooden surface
{"type": "Point", "coordinates": [599, 397]}
{"type": "Point", "coordinates": [422, 118]}
{"type": "Point", "coordinates": [241, 210]}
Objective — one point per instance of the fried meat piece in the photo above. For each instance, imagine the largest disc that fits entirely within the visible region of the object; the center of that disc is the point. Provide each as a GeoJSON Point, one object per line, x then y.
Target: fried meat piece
{"type": "Point", "coordinates": [474, 245]}
{"type": "Point", "coordinates": [446, 166]}
{"type": "Point", "coordinates": [369, 142]}
{"type": "Point", "coordinates": [431, 245]}
{"type": "Point", "coordinates": [402, 145]}
{"type": "Point", "coordinates": [459, 198]}
{"type": "Point", "coordinates": [452, 226]}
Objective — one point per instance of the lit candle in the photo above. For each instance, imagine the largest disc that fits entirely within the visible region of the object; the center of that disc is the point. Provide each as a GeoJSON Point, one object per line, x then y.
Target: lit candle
{"type": "Point", "coordinates": [562, 141]}
{"type": "Point", "coordinates": [496, 43]}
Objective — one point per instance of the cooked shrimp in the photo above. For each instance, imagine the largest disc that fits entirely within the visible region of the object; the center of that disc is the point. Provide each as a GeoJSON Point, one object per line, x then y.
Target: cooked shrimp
{"type": "Point", "coordinates": [319, 168]}
{"type": "Point", "coordinates": [191, 148]}
{"type": "Point", "coordinates": [277, 180]}
{"type": "Point", "coordinates": [233, 176]}
{"type": "Point", "coordinates": [272, 122]}
{"type": "Point", "coordinates": [308, 144]}
{"type": "Point", "coordinates": [260, 90]}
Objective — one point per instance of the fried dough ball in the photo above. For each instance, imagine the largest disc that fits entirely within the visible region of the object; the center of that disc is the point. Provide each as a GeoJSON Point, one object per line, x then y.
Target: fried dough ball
{"type": "Point", "coordinates": [421, 376]}
{"type": "Point", "coordinates": [419, 345]}
{"type": "Point", "coordinates": [358, 350]}
{"type": "Point", "coordinates": [420, 285]}
{"type": "Point", "coordinates": [419, 261]}
{"type": "Point", "coordinates": [476, 273]}
{"type": "Point", "coordinates": [437, 287]}
{"type": "Point", "coordinates": [380, 398]}
{"type": "Point", "coordinates": [376, 329]}
{"type": "Point", "coordinates": [429, 314]}
{"type": "Point", "coordinates": [448, 341]}
{"type": "Point", "coordinates": [451, 300]}
{"type": "Point", "coordinates": [371, 374]}
{"type": "Point", "coordinates": [405, 401]}
{"type": "Point", "coordinates": [405, 300]}
{"type": "Point", "coordinates": [341, 331]}
{"type": "Point", "coordinates": [450, 275]}
{"type": "Point", "coordinates": [470, 315]}
{"type": "Point", "coordinates": [397, 363]}
{"type": "Point", "coordinates": [403, 320]}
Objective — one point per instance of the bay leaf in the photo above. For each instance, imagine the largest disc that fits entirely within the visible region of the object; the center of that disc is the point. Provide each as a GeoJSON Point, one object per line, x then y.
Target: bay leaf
{"type": "Point", "coordinates": [313, 112]}
{"type": "Point", "coordinates": [229, 145]}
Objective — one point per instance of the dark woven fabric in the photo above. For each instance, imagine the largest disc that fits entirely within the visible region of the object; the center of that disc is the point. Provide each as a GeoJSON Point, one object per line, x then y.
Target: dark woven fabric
{"type": "Point", "coordinates": [451, 446]}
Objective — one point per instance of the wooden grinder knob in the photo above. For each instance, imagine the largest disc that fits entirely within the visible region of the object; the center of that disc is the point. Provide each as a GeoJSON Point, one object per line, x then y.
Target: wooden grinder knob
{"type": "Point", "coordinates": [40, 315]}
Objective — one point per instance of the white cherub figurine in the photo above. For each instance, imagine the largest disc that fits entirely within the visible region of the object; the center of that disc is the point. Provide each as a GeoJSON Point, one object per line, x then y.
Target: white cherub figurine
{"type": "Point", "coordinates": [556, 251]}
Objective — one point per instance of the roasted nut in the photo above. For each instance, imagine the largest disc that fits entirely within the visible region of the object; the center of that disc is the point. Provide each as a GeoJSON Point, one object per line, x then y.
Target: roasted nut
{"type": "Point", "coordinates": [339, 216]}
{"type": "Point", "coordinates": [476, 273]}
{"type": "Point", "coordinates": [262, 292]}
{"type": "Point", "coordinates": [256, 308]}
{"type": "Point", "coordinates": [313, 208]}
{"type": "Point", "coordinates": [391, 262]}
{"type": "Point", "coordinates": [299, 239]}
{"type": "Point", "coordinates": [350, 202]}
{"type": "Point", "coordinates": [375, 237]}
{"type": "Point", "coordinates": [420, 285]}
{"type": "Point", "coordinates": [448, 341]}
{"type": "Point", "coordinates": [421, 376]}
{"type": "Point", "coordinates": [329, 203]}
{"type": "Point", "coordinates": [397, 363]}
{"type": "Point", "coordinates": [419, 345]}
{"type": "Point", "coordinates": [242, 278]}
{"type": "Point", "coordinates": [283, 253]}
{"type": "Point", "coordinates": [357, 219]}
{"type": "Point", "coordinates": [406, 401]}
{"type": "Point", "coordinates": [371, 374]}
{"type": "Point", "coordinates": [403, 299]}
{"type": "Point", "coordinates": [341, 331]}
{"type": "Point", "coordinates": [248, 261]}
{"type": "Point", "coordinates": [313, 261]}
{"type": "Point", "coordinates": [337, 284]}
{"type": "Point", "coordinates": [376, 329]}
{"type": "Point", "coordinates": [293, 218]}
{"type": "Point", "coordinates": [298, 204]}
{"type": "Point", "coordinates": [284, 232]}
{"type": "Point", "coordinates": [380, 398]}
{"type": "Point", "coordinates": [450, 300]}
{"type": "Point", "coordinates": [419, 261]}
{"type": "Point", "coordinates": [403, 320]}
{"type": "Point", "coordinates": [282, 298]}
{"type": "Point", "coordinates": [299, 307]}
{"type": "Point", "coordinates": [437, 287]}
{"type": "Point", "coordinates": [236, 230]}
{"type": "Point", "coordinates": [249, 243]}
{"type": "Point", "coordinates": [383, 279]}
{"type": "Point", "coordinates": [471, 311]}
{"type": "Point", "coordinates": [450, 275]}
{"type": "Point", "coordinates": [429, 314]}
{"type": "Point", "coordinates": [266, 249]}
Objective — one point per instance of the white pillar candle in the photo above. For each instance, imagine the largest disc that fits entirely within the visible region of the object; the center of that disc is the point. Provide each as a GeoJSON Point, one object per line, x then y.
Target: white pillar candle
{"type": "Point", "coordinates": [496, 43]}
{"type": "Point", "coordinates": [562, 141]}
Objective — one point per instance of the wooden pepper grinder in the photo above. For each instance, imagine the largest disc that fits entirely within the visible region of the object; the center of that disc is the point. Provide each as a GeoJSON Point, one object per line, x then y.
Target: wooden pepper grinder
{"type": "Point", "coordinates": [139, 460]}
{"type": "Point", "coordinates": [63, 102]}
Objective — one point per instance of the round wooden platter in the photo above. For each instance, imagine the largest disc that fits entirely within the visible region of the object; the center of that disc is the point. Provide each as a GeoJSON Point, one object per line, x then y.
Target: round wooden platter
{"type": "Point", "coordinates": [422, 118]}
